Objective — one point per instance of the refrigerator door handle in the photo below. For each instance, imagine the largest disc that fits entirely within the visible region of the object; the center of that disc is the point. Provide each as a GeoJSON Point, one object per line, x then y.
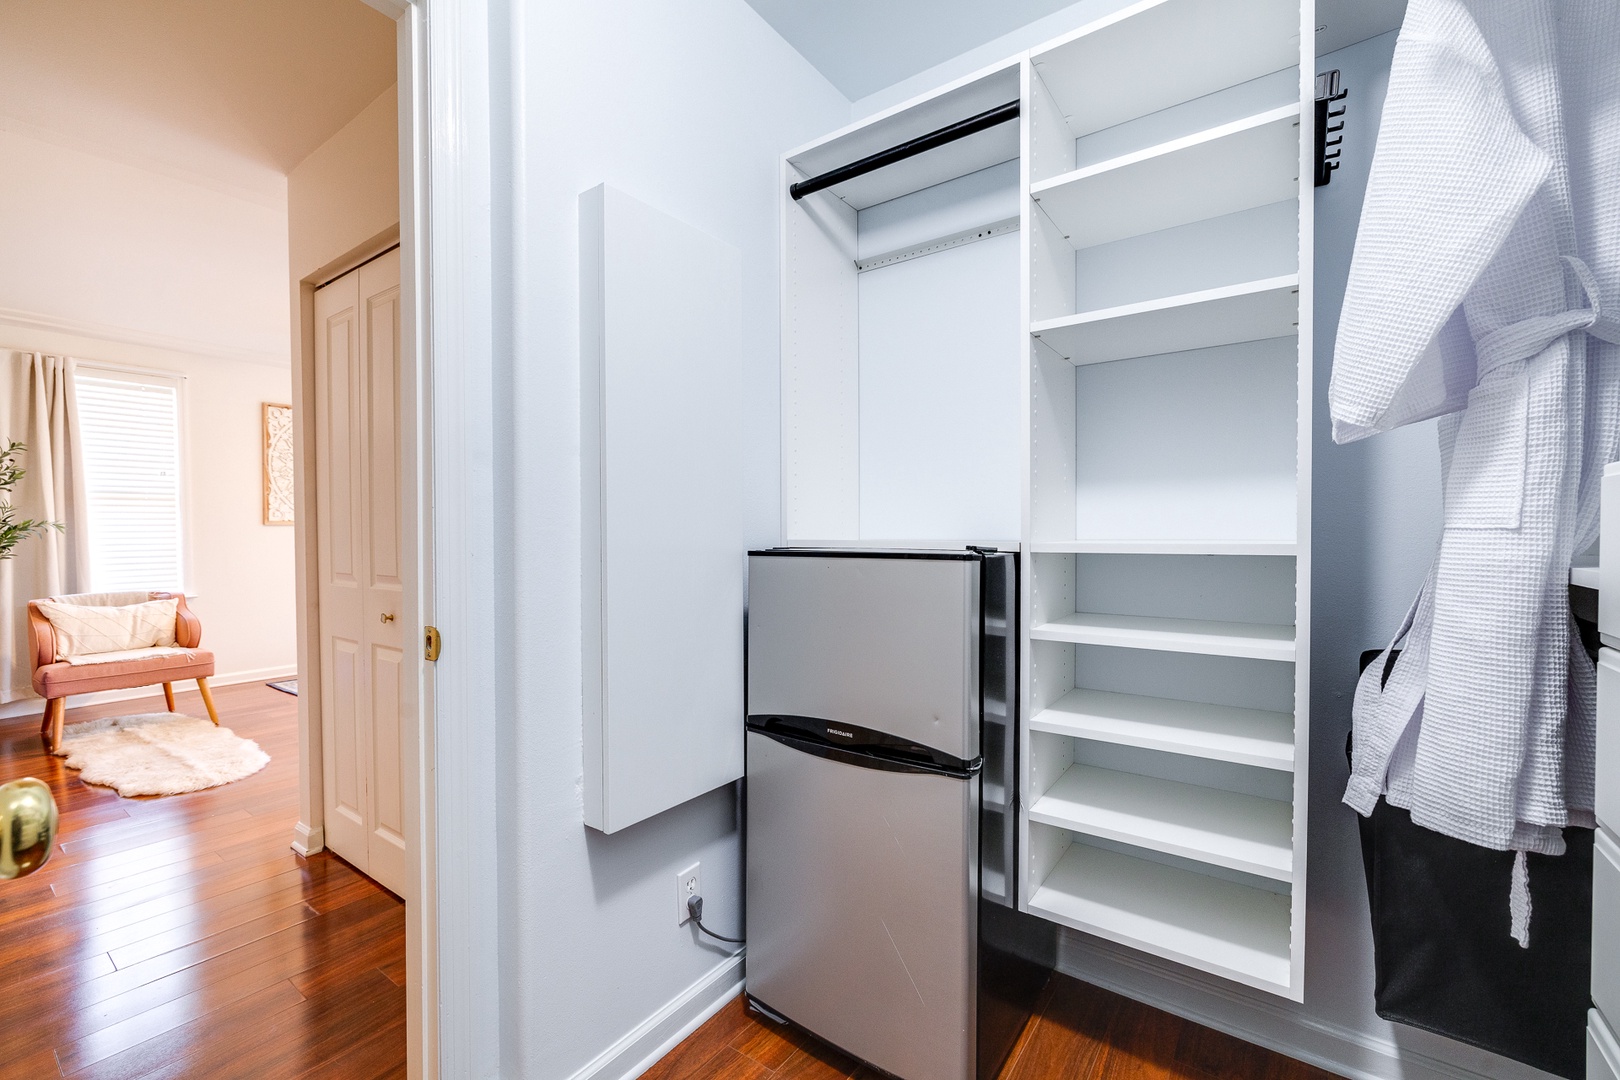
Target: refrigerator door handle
{"type": "Point", "coordinates": [868, 761]}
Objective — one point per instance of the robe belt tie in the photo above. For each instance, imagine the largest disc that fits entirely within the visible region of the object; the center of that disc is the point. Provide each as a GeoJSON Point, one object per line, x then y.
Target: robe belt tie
{"type": "Point", "coordinates": [1528, 337]}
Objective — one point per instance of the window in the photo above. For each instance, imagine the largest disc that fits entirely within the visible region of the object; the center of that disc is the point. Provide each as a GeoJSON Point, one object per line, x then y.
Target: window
{"type": "Point", "coordinates": [129, 426]}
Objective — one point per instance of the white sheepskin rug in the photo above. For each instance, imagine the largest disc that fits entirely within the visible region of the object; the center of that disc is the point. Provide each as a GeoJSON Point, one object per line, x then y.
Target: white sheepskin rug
{"type": "Point", "coordinates": [158, 754]}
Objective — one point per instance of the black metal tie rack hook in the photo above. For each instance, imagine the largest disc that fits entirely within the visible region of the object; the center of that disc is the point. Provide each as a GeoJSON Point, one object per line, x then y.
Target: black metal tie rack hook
{"type": "Point", "coordinates": [1328, 95]}
{"type": "Point", "coordinates": [911, 148]}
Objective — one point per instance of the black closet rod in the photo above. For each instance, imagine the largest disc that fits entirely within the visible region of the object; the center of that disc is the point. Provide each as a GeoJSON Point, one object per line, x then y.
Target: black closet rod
{"type": "Point", "coordinates": [921, 144]}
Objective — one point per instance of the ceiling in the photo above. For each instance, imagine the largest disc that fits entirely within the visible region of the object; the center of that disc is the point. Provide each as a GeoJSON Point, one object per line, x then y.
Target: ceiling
{"type": "Point", "coordinates": [239, 91]}
{"type": "Point", "coordinates": [862, 46]}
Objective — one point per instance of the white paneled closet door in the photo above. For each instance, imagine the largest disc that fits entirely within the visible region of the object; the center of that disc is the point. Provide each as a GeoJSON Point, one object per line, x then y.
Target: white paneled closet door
{"type": "Point", "coordinates": [358, 525]}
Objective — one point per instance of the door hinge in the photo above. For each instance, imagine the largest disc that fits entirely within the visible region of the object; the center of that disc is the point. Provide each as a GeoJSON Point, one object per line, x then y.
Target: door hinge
{"type": "Point", "coordinates": [433, 643]}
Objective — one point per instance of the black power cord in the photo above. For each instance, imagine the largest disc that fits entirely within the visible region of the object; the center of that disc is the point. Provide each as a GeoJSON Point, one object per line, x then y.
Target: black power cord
{"type": "Point", "coordinates": [694, 908]}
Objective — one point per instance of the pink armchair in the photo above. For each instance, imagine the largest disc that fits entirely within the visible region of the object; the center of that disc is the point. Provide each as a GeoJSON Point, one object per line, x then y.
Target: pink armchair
{"type": "Point", "coordinates": [54, 680]}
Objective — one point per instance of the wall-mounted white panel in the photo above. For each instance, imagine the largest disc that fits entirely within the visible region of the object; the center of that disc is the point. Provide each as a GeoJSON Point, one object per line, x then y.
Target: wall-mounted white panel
{"type": "Point", "coordinates": [661, 379]}
{"type": "Point", "coordinates": [939, 394]}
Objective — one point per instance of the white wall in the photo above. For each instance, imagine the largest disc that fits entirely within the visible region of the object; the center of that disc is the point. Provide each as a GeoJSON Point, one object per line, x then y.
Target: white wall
{"type": "Point", "coordinates": [131, 254]}
{"type": "Point", "coordinates": [687, 108]}
{"type": "Point", "coordinates": [347, 191]}
{"type": "Point", "coordinates": [112, 261]}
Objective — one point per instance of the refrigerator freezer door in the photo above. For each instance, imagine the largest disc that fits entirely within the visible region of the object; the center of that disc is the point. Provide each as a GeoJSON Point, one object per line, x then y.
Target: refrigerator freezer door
{"type": "Point", "coordinates": [862, 909]}
{"type": "Point", "coordinates": [886, 644]}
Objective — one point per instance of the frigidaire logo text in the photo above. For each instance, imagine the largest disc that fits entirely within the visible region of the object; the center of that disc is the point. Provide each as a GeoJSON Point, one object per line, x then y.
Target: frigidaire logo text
{"type": "Point", "coordinates": [839, 731]}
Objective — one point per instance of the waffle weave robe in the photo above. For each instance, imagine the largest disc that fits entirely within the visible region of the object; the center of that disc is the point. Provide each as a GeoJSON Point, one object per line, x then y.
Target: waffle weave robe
{"type": "Point", "coordinates": [1483, 290]}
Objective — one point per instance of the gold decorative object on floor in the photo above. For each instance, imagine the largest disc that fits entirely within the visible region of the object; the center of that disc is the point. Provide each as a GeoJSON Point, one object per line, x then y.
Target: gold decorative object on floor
{"type": "Point", "coordinates": [27, 827]}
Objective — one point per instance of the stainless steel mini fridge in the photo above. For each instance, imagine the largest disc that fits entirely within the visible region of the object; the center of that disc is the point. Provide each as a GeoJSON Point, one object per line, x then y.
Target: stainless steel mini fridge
{"type": "Point", "coordinates": [882, 762]}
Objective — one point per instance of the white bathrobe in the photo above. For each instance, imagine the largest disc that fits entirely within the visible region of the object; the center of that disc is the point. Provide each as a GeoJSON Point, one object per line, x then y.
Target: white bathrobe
{"type": "Point", "coordinates": [1484, 290]}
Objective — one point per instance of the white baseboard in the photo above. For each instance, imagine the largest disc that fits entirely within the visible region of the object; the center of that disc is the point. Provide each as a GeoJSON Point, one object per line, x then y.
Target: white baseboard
{"type": "Point", "coordinates": [31, 706]}
{"type": "Point", "coordinates": [1276, 1025]}
{"type": "Point", "coordinates": [307, 841]}
{"type": "Point", "coordinates": [650, 1040]}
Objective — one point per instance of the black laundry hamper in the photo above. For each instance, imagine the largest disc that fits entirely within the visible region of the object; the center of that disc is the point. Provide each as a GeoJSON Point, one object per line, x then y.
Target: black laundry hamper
{"type": "Point", "coordinates": [1444, 960]}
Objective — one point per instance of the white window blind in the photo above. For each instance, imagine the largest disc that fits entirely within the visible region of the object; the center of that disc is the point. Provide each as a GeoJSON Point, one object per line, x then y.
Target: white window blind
{"type": "Point", "coordinates": [130, 431]}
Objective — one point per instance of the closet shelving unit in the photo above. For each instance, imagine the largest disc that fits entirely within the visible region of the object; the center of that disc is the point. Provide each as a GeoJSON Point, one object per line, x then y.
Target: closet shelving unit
{"type": "Point", "coordinates": [1154, 467]}
{"type": "Point", "coordinates": [1168, 485]}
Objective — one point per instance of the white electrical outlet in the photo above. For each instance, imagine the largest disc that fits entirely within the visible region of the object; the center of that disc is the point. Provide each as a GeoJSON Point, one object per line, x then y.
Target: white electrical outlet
{"type": "Point", "coordinates": [688, 884]}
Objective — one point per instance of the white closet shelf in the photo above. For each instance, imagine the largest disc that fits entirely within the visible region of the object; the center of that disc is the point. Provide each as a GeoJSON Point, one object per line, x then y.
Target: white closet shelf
{"type": "Point", "coordinates": [1218, 926]}
{"type": "Point", "coordinates": [1236, 166]}
{"type": "Point", "coordinates": [1250, 311]}
{"type": "Point", "coordinates": [1099, 75]}
{"type": "Point", "coordinates": [1258, 641]}
{"type": "Point", "coordinates": [1166, 547]}
{"type": "Point", "coordinates": [1208, 825]}
{"type": "Point", "coordinates": [1255, 737]}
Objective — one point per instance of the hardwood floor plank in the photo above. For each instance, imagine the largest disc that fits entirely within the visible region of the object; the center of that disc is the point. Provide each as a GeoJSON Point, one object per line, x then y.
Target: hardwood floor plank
{"type": "Point", "coordinates": [1142, 1046]}
{"type": "Point", "coordinates": [687, 1060]}
{"type": "Point", "coordinates": [168, 1048]}
{"type": "Point", "coordinates": [820, 1063]}
{"type": "Point", "coordinates": [265, 962]}
{"type": "Point", "coordinates": [728, 1064]}
{"type": "Point", "coordinates": [218, 935]}
{"type": "Point", "coordinates": [312, 1032]}
{"type": "Point", "coordinates": [176, 890]}
{"type": "Point", "coordinates": [330, 933]}
{"type": "Point", "coordinates": [395, 970]}
{"type": "Point", "coordinates": [765, 1041]}
{"type": "Point", "coordinates": [35, 1066]}
{"type": "Point", "coordinates": [118, 835]}
{"type": "Point", "coordinates": [361, 954]}
{"type": "Point", "coordinates": [22, 1028]}
{"type": "Point", "coordinates": [375, 1057]}
{"type": "Point", "coordinates": [1068, 1040]}
{"type": "Point", "coordinates": [221, 911]}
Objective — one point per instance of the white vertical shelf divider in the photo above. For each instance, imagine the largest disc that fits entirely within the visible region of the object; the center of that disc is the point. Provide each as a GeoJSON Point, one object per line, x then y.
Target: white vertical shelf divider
{"type": "Point", "coordinates": [1302, 558]}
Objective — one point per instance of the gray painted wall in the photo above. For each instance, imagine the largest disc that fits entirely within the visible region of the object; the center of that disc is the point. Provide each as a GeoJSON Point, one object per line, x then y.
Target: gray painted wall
{"type": "Point", "coordinates": [686, 107]}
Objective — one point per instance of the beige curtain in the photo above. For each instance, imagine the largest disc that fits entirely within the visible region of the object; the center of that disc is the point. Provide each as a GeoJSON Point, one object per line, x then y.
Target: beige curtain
{"type": "Point", "coordinates": [37, 409]}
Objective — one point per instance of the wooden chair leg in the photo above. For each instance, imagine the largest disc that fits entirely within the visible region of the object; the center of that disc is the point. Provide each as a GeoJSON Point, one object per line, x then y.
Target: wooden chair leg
{"type": "Point", "coordinates": [45, 725]}
{"type": "Point", "coordinates": [208, 700]}
{"type": "Point", "coordinates": [168, 695]}
{"type": "Point", "coordinates": [58, 715]}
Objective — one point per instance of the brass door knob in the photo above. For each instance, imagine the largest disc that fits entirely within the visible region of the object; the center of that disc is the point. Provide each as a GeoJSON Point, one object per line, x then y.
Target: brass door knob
{"type": "Point", "coordinates": [27, 827]}
{"type": "Point", "coordinates": [387, 616]}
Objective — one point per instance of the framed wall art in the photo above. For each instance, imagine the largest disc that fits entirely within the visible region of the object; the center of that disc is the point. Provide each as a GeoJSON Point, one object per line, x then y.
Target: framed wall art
{"type": "Point", "coordinates": [278, 464]}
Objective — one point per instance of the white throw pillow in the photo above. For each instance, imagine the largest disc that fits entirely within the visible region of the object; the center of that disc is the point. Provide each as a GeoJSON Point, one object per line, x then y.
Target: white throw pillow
{"type": "Point", "coordinates": [81, 630]}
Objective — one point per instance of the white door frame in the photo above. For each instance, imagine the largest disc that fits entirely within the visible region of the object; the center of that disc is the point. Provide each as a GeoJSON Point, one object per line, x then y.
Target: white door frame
{"type": "Point", "coordinates": [446, 405]}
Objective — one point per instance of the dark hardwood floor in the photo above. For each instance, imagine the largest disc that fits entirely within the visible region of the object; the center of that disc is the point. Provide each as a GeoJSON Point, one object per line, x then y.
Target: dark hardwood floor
{"type": "Point", "coordinates": [1081, 1033]}
{"type": "Point", "coordinates": [181, 936]}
